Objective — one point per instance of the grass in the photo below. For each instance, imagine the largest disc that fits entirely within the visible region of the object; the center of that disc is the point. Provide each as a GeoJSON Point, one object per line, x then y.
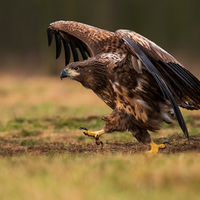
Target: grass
{"type": "Point", "coordinates": [43, 155]}
{"type": "Point", "coordinates": [114, 176]}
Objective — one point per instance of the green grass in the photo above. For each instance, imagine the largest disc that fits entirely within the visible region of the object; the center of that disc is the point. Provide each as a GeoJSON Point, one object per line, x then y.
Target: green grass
{"type": "Point", "coordinates": [43, 155]}
{"type": "Point", "coordinates": [76, 123]}
{"type": "Point", "coordinates": [29, 142]}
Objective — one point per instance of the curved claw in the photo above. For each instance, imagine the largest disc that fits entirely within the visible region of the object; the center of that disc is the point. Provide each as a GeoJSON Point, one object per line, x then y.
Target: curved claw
{"type": "Point", "coordinates": [100, 143]}
{"type": "Point", "coordinates": [167, 143]}
{"type": "Point", "coordinates": [83, 128]}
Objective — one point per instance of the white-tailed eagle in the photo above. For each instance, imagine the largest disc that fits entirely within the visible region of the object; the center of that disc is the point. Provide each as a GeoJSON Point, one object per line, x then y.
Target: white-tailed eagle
{"type": "Point", "coordinates": [141, 82]}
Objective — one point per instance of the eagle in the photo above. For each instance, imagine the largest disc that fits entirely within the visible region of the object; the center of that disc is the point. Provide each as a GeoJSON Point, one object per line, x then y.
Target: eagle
{"type": "Point", "coordinates": [142, 83]}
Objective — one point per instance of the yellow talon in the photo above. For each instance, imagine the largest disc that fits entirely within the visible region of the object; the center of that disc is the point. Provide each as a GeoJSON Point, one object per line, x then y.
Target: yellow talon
{"type": "Point", "coordinates": [96, 135]}
{"type": "Point", "coordinates": [88, 133]}
{"type": "Point", "coordinates": [156, 147]}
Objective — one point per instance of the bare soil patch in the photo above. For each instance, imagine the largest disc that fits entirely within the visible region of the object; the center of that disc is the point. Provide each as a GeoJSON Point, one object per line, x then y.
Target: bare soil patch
{"type": "Point", "coordinates": [178, 144]}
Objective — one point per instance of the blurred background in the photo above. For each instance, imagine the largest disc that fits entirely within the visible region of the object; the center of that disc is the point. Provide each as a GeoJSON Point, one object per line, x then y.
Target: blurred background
{"type": "Point", "coordinates": [173, 25]}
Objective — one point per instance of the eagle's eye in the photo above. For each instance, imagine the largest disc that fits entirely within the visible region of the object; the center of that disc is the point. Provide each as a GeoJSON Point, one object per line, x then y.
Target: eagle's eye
{"type": "Point", "coordinates": [75, 68]}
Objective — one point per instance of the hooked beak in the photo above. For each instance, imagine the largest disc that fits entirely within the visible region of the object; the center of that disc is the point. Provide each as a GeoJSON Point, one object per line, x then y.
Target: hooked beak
{"type": "Point", "coordinates": [63, 73]}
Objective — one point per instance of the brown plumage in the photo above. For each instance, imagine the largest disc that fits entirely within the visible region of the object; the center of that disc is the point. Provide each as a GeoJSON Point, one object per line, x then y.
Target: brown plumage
{"type": "Point", "coordinates": [142, 83]}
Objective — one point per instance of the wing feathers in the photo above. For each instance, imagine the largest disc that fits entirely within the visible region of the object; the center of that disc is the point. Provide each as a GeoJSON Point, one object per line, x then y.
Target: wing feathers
{"type": "Point", "coordinates": [80, 46]}
{"type": "Point", "coordinates": [172, 80]}
{"type": "Point", "coordinates": [58, 44]}
{"type": "Point", "coordinates": [72, 42]}
{"type": "Point", "coordinates": [73, 48]}
{"type": "Point", "coordinates": [160, 81]}
{"type": "Point", "coordinates": [185, 87]}
{"type": "Point", "coordinates": [85, 49]}
{"type": "Point", "coordinates": [50, 34]}
{"type": "Point", "coordinates": [186, 76]}
{"type": "Point", "coordinates": [136, 64]}
{"type": "Point", "coordinates": [67, 52]}
{"type": "Point", "coordinates": [97, 40]}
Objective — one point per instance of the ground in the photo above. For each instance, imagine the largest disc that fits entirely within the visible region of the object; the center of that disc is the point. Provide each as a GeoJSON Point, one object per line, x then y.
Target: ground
{"type": "Point", "coordinates": [41, 115]}
{"type": "Point", "coordinates": [43, 154]}
{"type": "Point", "coordinates": [14, 146]}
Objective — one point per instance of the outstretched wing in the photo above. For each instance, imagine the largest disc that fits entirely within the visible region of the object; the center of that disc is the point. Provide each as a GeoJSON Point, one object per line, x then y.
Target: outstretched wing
{"type": "Point", "coordinates": [89, 40]}
{"type": "Point", "coordinates": [184, 86]}
{"type": "Point", "coordinates": [176, 83]}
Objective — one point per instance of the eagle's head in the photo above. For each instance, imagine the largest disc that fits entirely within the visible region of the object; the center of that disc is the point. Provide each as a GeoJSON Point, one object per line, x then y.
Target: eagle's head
{"type": "Point", "coordinates": [72, 71]}
{"type": "Point", "coordinates": [89, 73]}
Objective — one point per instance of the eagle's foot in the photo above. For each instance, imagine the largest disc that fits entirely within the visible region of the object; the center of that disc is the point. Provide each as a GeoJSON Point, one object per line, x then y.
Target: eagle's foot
{"type": "Point", "coordinates": [95, 135]}
{"type": "Point", "coordinates": [156, 147]}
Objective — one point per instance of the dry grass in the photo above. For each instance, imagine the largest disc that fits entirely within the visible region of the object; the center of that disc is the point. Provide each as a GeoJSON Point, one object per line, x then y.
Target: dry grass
{"type": "Point", "coordinates": [43, 155]}
{"type": "Point", "coordinates": [39, 90]}
{"type": "Point", "coordinates": [114, 176]}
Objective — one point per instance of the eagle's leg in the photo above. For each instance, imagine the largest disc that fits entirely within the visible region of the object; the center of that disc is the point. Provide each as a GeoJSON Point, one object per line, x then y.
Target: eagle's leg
{"type": "Point", "coordinates": [95, 135]}
{"type": "Point", "coordinates": [143, 136]}
{"type": "Point", "coordinates": [155, 147]}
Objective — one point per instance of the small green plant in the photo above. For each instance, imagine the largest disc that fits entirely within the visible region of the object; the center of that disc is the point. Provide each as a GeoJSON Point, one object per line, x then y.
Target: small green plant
{"type": "Point", "coordinates": [28, 142]}
{"type": "Point", "coordinates": [26, 133]}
